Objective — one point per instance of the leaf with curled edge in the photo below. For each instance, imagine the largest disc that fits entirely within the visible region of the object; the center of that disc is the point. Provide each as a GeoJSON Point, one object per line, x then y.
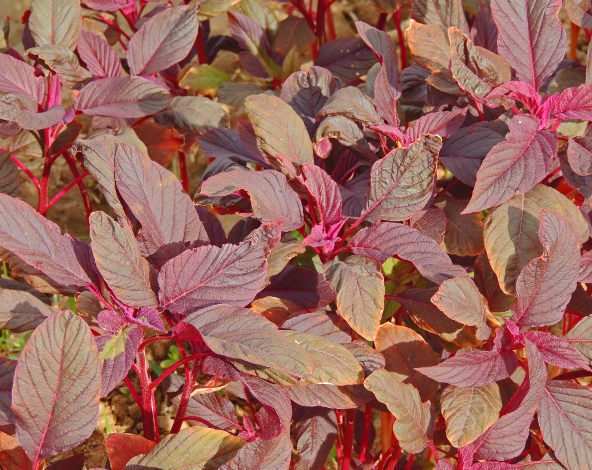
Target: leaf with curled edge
{"type": "Point", "coordinates": [62, 61]}
{"type": "Point", "coordinates": [346, 58]}
{"type": "Point", "coordinates": [40, 243]}
{"type": "Point", "coordinates": [442, 123]}
{"type": "Point", "coordinates": [464, 232]}
{"type": "Point", "coordinates": [22, 110]}
{"type": "Point", "coordinates": [471, 68]}
{"type": "Point", "coordinates": [150, 191]}
{"type": "Point", "coordinates": [460, 299]}
{"type": "Point", "coordinates": [99, 57]}
{"type": "Point", "coordinates": [511, 231]}
{"type": "Point", "coordinates": [272, 198]}
{"type": "Point", "coordinates": [22, 311]}
{"type": "Point", "coordinates": [506, 438]}
{"type": "Point", "coordinates": [55, 395]}
{"type": "Point", "coordinates": [196, 448]}
{"type": "Point", "coordinates": [573, 103]}
{"type": "Point", "coordinates": [514, 166]}
{"type": "Point", "coordinates": [209, 275]}
{"type": "Point", "coordinates": [545, 284]}
{"type": "Point", "coordinates": [56, 22]}
{"type": "Point", "coordinates": [192, 113]}
{"type": "Point", "coordinates": [404, 350]}
{"type": "Point", "coordinates": [469, 411]}
{"type": "Point", "coordinates": [475, 368]}
{"type": "Point", "coordinates": [564, 415]}
{"type": "Point", "coordinates": [384, 240]}
{"type": "Point", "coordinates": [279, 130]}
{"type": "Point", "coordinates": [120, 262]}
{"type": "Point", "coordinates": [325, 192]}
{"type": "Point", "coordinates": [359, 284]}
{"type": "Point", "coordinates": [17, 76]}
{"type": "Point", "coordinates": [122, 97]}
{"type": "Point", "coordinates": [315, 431]}
{"type": "Point", "coordinates": [557, 351]}
{"type": "Point", "coordinates": [7, 367]}
{"type": "Point", "coordinates": [351, 103]}
{"type": "Point", "coordinates": [413, 424]}
{"type": "Point", "coordinates": [308, 91]}
{"type": "Point", "coordinates": [163, 40]}
{"type": "Point", "coordinates": [445, 12]}
{"type": "Point", "coordinates": [530, 37]}
{"type": "Point", "coordinates": [579, 12]}
{"type": "Point", "coordinates": [402, 182]}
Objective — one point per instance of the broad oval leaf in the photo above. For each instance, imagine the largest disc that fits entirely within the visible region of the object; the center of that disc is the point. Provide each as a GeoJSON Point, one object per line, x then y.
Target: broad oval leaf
{"type": "Point", "coordinates": [384, 240]}
{"type": "Point", "coordinates": [564, 415]}
{"type": "Point", "coordinates": [272, 198]}
{"type": "Point", "coordinates": [55, 395]}
{"type": "Point", "coordinates": [469, 411]}
{"type": "Point", "coordinates": [56, 22]}
{"type": "Point", "coordinates": [17, 76]}
{"type": "Point", "coordinates": [346, 58]}
{"type": "Point", "coordinates": [119, 261]}
{"type": "Point", "coordinates": [315, 431]}
{"type": "Point", "coordinates": [22, 311]}
{"type": "Point", "coordinates": [279, 130]}
{"type": "Point", "coordinates": [464, 232]}
{"type": "Point", "coordinates": [99, 57]}
{"type": "Point", "coordinates": [151, 192]}
{"type": "Point", "coordinates": [511, 231]}
{"type": "Point", "coordinates": [402, 182]}
{"type": "Point", "coordinates": [515, 165]}
{"type": "Point", "coordinates": [359, 284]}
{"type": "Point", "coordinates": [192, 113]}
{"type": "Point", "coordinates": [209, 275]}
{"type": "Point", "coordinates": [542, 40]}
{"type": "Point", "coordinates": [122, 97]}
{"type": "Point", "coordinates": [545, 284]}
{"type": "Point", "coordinates": [163, 40]}
{"type": "Point", "coordinates": [193, 448]}
{"type": "Point", "coordinates": [445, 12]}
{"type": "Point", "coordinates": [414, 420]}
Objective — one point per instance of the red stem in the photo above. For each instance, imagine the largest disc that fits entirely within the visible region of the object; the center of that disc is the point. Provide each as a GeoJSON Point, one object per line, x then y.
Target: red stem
{"type": "Point", "coordinates": [44, 184]}
{"type": "Point", "coordinates": [25, 170]}
{"type": "Point", "coordinates": [410, 462]}
{"type": "Point", "coordinates": [114, 25]}
{"type": "Point", "coordinates": [330, 23]}
{"type": "Point", "coordinates": [382, 19]}
{"type": "Point", "coordinates": [202, 54]}
{"type": "Point", "coordinates": [187, 389]}
{"type": "Point", "coordinates": [76, 174]}
{"type": "Point", "coordinates": [183, 170]}
{"type": "Point", "coordinates": [133, 391]}
{"type": "Point", "coordinates": [148, 407]}
{"type": "Point", "coordinates": [348, 440]}
{"type": "Point", "coordinates": [397, 18]}
{"type": "Point", "coordinates": [68, 187]}
{"type": "Point", "coordinates": [174, 367]}
{"type": "Point", "coordinates": [366, 433]}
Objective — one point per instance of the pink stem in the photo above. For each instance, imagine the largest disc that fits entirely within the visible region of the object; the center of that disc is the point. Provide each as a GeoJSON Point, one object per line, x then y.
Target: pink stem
{"type": "Point", "coordinates": [174, 367]}
{"type": "Point", "coordinates": [25, 170]}
{"type": "Point", "coordinates": [63, 192]}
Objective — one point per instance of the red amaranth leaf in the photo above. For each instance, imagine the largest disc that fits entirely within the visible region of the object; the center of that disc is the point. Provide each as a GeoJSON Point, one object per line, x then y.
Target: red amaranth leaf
{"type": "Point", "coordinates": [121, 448]}
{"type": "Point", "coordinates": [556, 350]}
{"type": "Point", "coordinates": [7, 367]}
{"type": "Point", "coordinates": [56, 22]}
{"type": "Point", "coordinates": [55, 395]}
{"type": "Point", "coordinates": [99, 57]}
{"type": "Point", "coordinates": [573, 103]}
{"type": "Point", "coordinates": [17, 76]}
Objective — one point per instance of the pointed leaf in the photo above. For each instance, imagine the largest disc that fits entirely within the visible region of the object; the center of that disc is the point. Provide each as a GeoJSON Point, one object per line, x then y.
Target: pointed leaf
{"type": "Point", "coordinates": [163, 40]}
{"type": "Point", "coordinates": [325, 193]}
{"type": "Point", "coordinates": [17, 76]}
{"type": "Point", "coordinates": [556, 351]}
{"type": "Point", "coordinates": [214, 409]}
{"type": "Point", "coordinates": [573, 103]}
{"type": "Point", "coordinates": [279, 130]}
{"type": "Point", "coordinates": [413, 418]}
{"type": "Point", "coordinates": [55, 396]}
{"type": "Point", "coordinates": [347, 58]}
{"type": "Point", "coordinates": [123, 446]}
{"type": "Point", "coordinates": [209, 275]}
{"type": "Point", "coordinates": [359, 284]}
{"type": "Point", "coordinates": [150, 191]}
{"type": "Point", "coordinates": [315, 432]}
{"type": "Point", "coordinates": [272, 198]}
{"type": "Point", "coordinates": [100, 59]}
{"type": "Point", "coordinates": [383, 240]}
{"type": "Point", "coordinates": [22, 311]}
{"type": "Point", "coordinates": [515, 165]}
{"type": "Point", "coordinates": [56, 22]}
{"type": "Point", "coordinates": [530, 37]}
{"type": "Point", "coordinates": [121, 97]}
{"type": "Point", "coordinates": [469, 411]}
{"type": "Point", "coordinates": [545, 284]}
{"type": "Point", "coordinates": [445, 12]}
{"type": "Point", "coordinates": [564, 414]}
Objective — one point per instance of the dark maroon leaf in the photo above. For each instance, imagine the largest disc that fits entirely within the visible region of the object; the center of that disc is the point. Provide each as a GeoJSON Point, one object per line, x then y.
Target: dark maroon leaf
{"type": "Point", "coordinates": [213, 410]}
{"type": "Point", "coordinates": [7, 367]}
{"type": "Point", "coordinates": [209, 275]}
{"type": "Point", "coordinates": [579, 155]}
{"type": "Point", "coordinates": [545, 284]}
{"type": "Point", "coordinates": [347, 59]}
{"type": "Point", "coordinates": [100, 59]}
{"type": "Point", "coordinates": [221, 142]}
{"type": "Point", "coordinates": [381, 241]}
{"type": "Point", "coordinates": [515, 165]}
{"type": "Point", "coordinates": [442, 123]}
{"type": "Point", "coordinates": [150, 191]}
{"type": "Point", "coordinates": [573, 103]}
{"type": "Point", "coordinates": [272, 198]}
{"type": "Point", "coordinates": [21, 311]}
{"type": "Point", "coordinates": [483, 28]}
{"type": "Point", "coordinates": [530, 37]}
{"type": "Point", "coordinates": [75, 462]}
{"type": "Point", "coordinates": [325, 193]}
{"type": "Point", "coordinates": [315, 431]}
{"type": "Point", "coordinates": [55, 395]}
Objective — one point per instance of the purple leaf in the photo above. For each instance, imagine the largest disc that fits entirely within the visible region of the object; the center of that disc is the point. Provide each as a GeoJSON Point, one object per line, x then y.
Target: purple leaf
{"type": "Point", "coordinates": [351, 103]}
{"type": "Point", "coordinates": [530, 37]}
{"type": "Point", "coordinates": [272, 198]}
{"type": "Point", "coordinates": [545, 284]}
{"type": "Point", "coordinates": [515, 165]}
{"type": "Point", "coordinates": [163, 40]}
{"type": "Point", "coordinates": [22, 311]}
{"type": "Point", "coordinates": [402, 182]}
{"type": "Point", "coordinates": [324, 192]}
{"type": "Point", "coordinates": [347, 59]}
{"type": "Point", "coordinates": [507, 437]}
{"type": "Point", "coordinates": [100, 59]}
{"type": "Point", "coordinates": [483, 28]}
{"type": "Point", "coordinates": [7, 367]}
{"type": "Point", "coordinates": [56, 22]}
{"type": "Point", "coordinates": [573, 103]}
{"type": "Point", "coordinates": [383, 240]}
{"type": "Point", "coordinates": [22, 109]}
{"type": "Point", "coordinates": [215, 411]}
{"type": "Point", "coordinates": [18, 77]}
{"type": "Point", "coordinates": [192, 113]}
{"type": "Point", "coordinates": [579, 155]}
{"type": "Point", "coordinates": [40, 243]}
{"type": "Point", "coordinates": [445, 12]}
{"type": "Point", "coordinates": [579, 12]}
{"type": "Point", "coordinates": [315, 431]}
{"type": "Point", "coordinates": [474, 368]}
{"type": "Point", "coordinates": [150, 191]}
{"type": "Point", "coordinates": [55, 395]}
{"type": "Point", "coordinates": [564, 415]}
{"type": "Point", "coordinates": [107, 5]}
{"type": "Point", "coordinates": [556, 351]}
{"type": "Point", "coordinates": [442, 123]}
{"type": "Point", "coordinates": [122, 97]}
{"type": "Point", "coordinates": [209, 275]}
